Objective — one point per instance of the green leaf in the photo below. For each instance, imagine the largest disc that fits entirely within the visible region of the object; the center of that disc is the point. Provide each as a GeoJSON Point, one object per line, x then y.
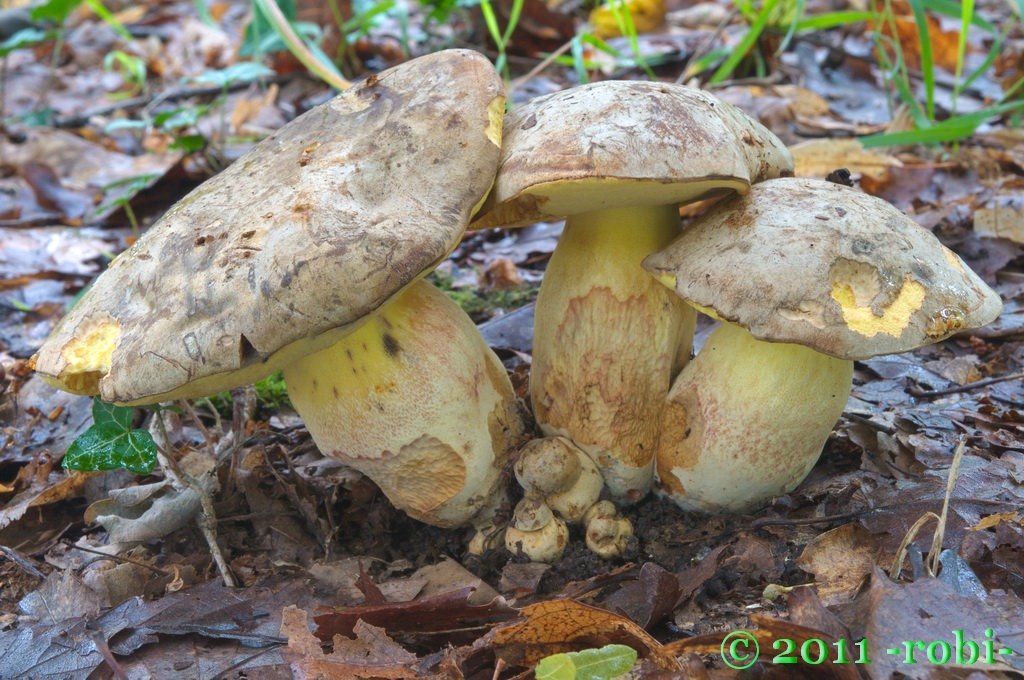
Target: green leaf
{"type": "Point", "coordinates": [188, 143]}
{"type": "Point", "coordinates": [110, 443]}
{"type": "Point", "coordinates": [239, 72]}
{"type": "Point", "coordinates": [54, 10]}
{"type": "Point", "coordinates": [605, 663]}
{"type": "Point", "coordinates": [26, 37]}
{"type": "Point", "coordinates": [556, 667]}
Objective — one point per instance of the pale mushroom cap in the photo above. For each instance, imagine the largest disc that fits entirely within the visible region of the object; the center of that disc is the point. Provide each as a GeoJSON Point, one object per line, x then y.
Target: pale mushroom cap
{"type": "Point", "coordinates": [825, 266]}
{"type": "Point", "coordinates": [314, 228]}
{"type": "Point", "coordinates": [620, 143]}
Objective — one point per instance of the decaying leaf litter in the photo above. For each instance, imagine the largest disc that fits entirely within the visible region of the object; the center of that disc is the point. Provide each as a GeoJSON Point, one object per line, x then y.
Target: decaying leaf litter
{"type": "Point", "coordinates": [848, 555]}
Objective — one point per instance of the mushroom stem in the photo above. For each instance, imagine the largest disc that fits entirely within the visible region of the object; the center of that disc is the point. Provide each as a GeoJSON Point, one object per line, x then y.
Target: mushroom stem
{"type": "Point", "coordinates": [608, 340]}
{"type": "Point", "coordinates": [415, 400]}
{"type": "Point", "coordinates": [746, 421]}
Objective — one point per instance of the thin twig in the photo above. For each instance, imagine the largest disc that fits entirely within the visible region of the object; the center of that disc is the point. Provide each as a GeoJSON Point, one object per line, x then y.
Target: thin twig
{"type": "Point", "coordinates": [965, 388]}
{"type": "Point", "coordinates": [117, 558]}
{"type": "Point", "coordinates": [22, 561]}
{"type": "Point", "coordinates": [99, 641]}
{"type": "Point", "coordinates": [532, 73]}
{"type": "Point", "coordinates": [207, 519]}
{"type": "Point", "coordinates": [82, 119]}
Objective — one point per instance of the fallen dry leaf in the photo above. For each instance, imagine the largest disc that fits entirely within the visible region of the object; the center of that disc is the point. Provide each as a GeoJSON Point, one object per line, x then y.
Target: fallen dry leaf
{"type": "Point", "coordinates": [840, 560]}
{"type": "Point", "coordinates": [556, 626]}
{"type": "Point", "coordinates": [818, 157]}
{"type": "Point", "coordinates": [372, 654]}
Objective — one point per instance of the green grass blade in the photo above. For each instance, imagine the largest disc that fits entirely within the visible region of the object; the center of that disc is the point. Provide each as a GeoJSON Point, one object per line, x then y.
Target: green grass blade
{"type": "Point", "coordinates": [821, 22]}
{"type": "Point", "coordinates": [579, 61]}
{"type": "Point", "coordinates": [927, 64]}
{"type": "Point", "coordinates": [993, 54]}
{"type": "Point", "coordinates": [951, 130]}
{"type": "Point", "coordinates": [317, 65]}
{"type": "Point", "coordinates": [513, 21]}
{"type": "Point", "coordinates": [953, 10]}
{"type": "Point", "coordinates": [726, 69]}
{"type": "Point", "coordinates": [103, 13]}
{"type": "Point", "coordinates": [801, 7]}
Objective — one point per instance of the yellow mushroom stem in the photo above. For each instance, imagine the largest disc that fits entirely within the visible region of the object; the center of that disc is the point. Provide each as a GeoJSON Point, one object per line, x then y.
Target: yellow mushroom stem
{"type": "Point", "coordinates": [608, 339]}
{"type": "Point", "coordinates": [746, 421]}
{"type": "Point", "coordinates": [415, 400]}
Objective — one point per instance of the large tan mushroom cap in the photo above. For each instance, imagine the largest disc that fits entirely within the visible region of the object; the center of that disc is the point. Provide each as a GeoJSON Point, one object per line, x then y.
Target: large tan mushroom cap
{"type": "Point", "coordinates": [622, 143]}
{"type": "Point", "coordinates": [825, 266]}
{"type": "Point", "coordinates": [281, 253]}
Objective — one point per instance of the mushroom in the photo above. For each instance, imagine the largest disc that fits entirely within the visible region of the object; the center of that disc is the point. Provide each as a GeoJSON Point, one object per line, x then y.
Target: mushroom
{"type": "Point", "coordinates": [608, 533]}
{"type": "Point", "coordinates": [617, 158]}
{"type": "Point", "coordinates": [306, 254]}
{"type": "Point", "coordinates": [555, 469]}
{"type": "Point", "coordinates": [535, 532]}
{"type": "Point", "coordinates": [806, 276]}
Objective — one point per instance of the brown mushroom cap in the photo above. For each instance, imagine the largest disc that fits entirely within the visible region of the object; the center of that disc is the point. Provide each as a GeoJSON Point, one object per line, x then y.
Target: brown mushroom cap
{"type": "Point", "coordinates": [299, 239]}
{"type": "Point", "coordinates": [825, 266]}
{"type": "Point", "coordinates": [620, 143]}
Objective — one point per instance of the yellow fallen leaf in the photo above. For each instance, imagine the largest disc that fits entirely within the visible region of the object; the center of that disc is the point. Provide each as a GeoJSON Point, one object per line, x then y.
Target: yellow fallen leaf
{"type": "Point", "coordinates": [818, 157]}
{"type": "Point", "coordinates": [557, 626]}
{"type": "Point", "coordinates": [647, 15]}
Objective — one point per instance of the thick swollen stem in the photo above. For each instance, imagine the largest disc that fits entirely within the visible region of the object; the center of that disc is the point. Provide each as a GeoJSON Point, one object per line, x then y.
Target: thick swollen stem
{"type": "Point", "coordinates": [746, 421]}
{"type": "Point", "coordinates": [608, 340]}
{"type": "Point", "coordinates": [415, 400]}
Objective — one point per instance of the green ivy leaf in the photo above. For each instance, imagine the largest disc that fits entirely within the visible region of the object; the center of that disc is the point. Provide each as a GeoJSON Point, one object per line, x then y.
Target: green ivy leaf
{"type": "Point", "coordinates": [111, 443]}
{"type": "Point", "coordinates": [605, 663]}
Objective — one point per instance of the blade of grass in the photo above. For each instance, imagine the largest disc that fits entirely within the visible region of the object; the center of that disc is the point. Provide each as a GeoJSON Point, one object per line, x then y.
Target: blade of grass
{"type": "Point", "coordinates": [951, 130]}
{"type": "Point", "coordinates": [103, 13]}
{"type": "Point", "coordinates": [924, 38]}
{"type": "Point", "coordinates": [624, 18]}
{"type": "Point", "coordinates": [820, 22]}
{"type": "Point", "coordinates": [729, 65]}
{"type": "Point", "coordinates": [318, 65]}
{"type": "Point", "coordinates": [801, 7]}
{"type": "Point", "coordinates": [953, 10]}
{"type": "Point", "coordinates": [990, 58]}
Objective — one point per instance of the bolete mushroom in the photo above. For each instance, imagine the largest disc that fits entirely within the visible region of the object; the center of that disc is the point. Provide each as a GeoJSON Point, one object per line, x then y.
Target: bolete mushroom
{"type": "Point", "coordinates": [306, 254]}
{"type": "Point", "coordinates": [617, 158]}
{"type": "Point", "coordinates": [535, 532]}
{"type": "Point", "coordinates": [806, 276]}
{"type": "Point", "coordinates": [555, 469]}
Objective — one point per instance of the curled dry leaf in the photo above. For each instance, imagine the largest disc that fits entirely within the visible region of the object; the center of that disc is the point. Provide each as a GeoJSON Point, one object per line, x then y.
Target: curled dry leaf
{"type": "Point", "coordinates": [150, 511]}
{"type": "Point", "coordinates": [371, 655]}
{"type": "Point", "coordinates": [840, 560]}
{"type": "Point", "coordinates": [557, 626]}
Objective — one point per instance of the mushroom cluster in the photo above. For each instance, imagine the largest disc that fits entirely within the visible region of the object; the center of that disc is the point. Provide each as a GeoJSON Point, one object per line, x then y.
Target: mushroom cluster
{"type": "Point", "coordinates": [617, 158]}
{"type": "Point", "coordinates": [308, 255]}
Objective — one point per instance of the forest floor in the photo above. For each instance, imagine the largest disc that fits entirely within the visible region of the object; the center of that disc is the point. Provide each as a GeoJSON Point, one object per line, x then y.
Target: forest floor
{"type": "Point", "coordinates": [885, 543]}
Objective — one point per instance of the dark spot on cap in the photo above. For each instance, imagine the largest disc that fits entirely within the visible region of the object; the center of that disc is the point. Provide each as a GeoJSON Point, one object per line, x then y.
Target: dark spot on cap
{"type": "Point", "coordinates": [529, 122]}
{"type": "Point", "coordinates": [248, 234]}
{"type": "Point", "coordinates": [391, 345]}
{"type": "Point", "coordinates": [862, 247]}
